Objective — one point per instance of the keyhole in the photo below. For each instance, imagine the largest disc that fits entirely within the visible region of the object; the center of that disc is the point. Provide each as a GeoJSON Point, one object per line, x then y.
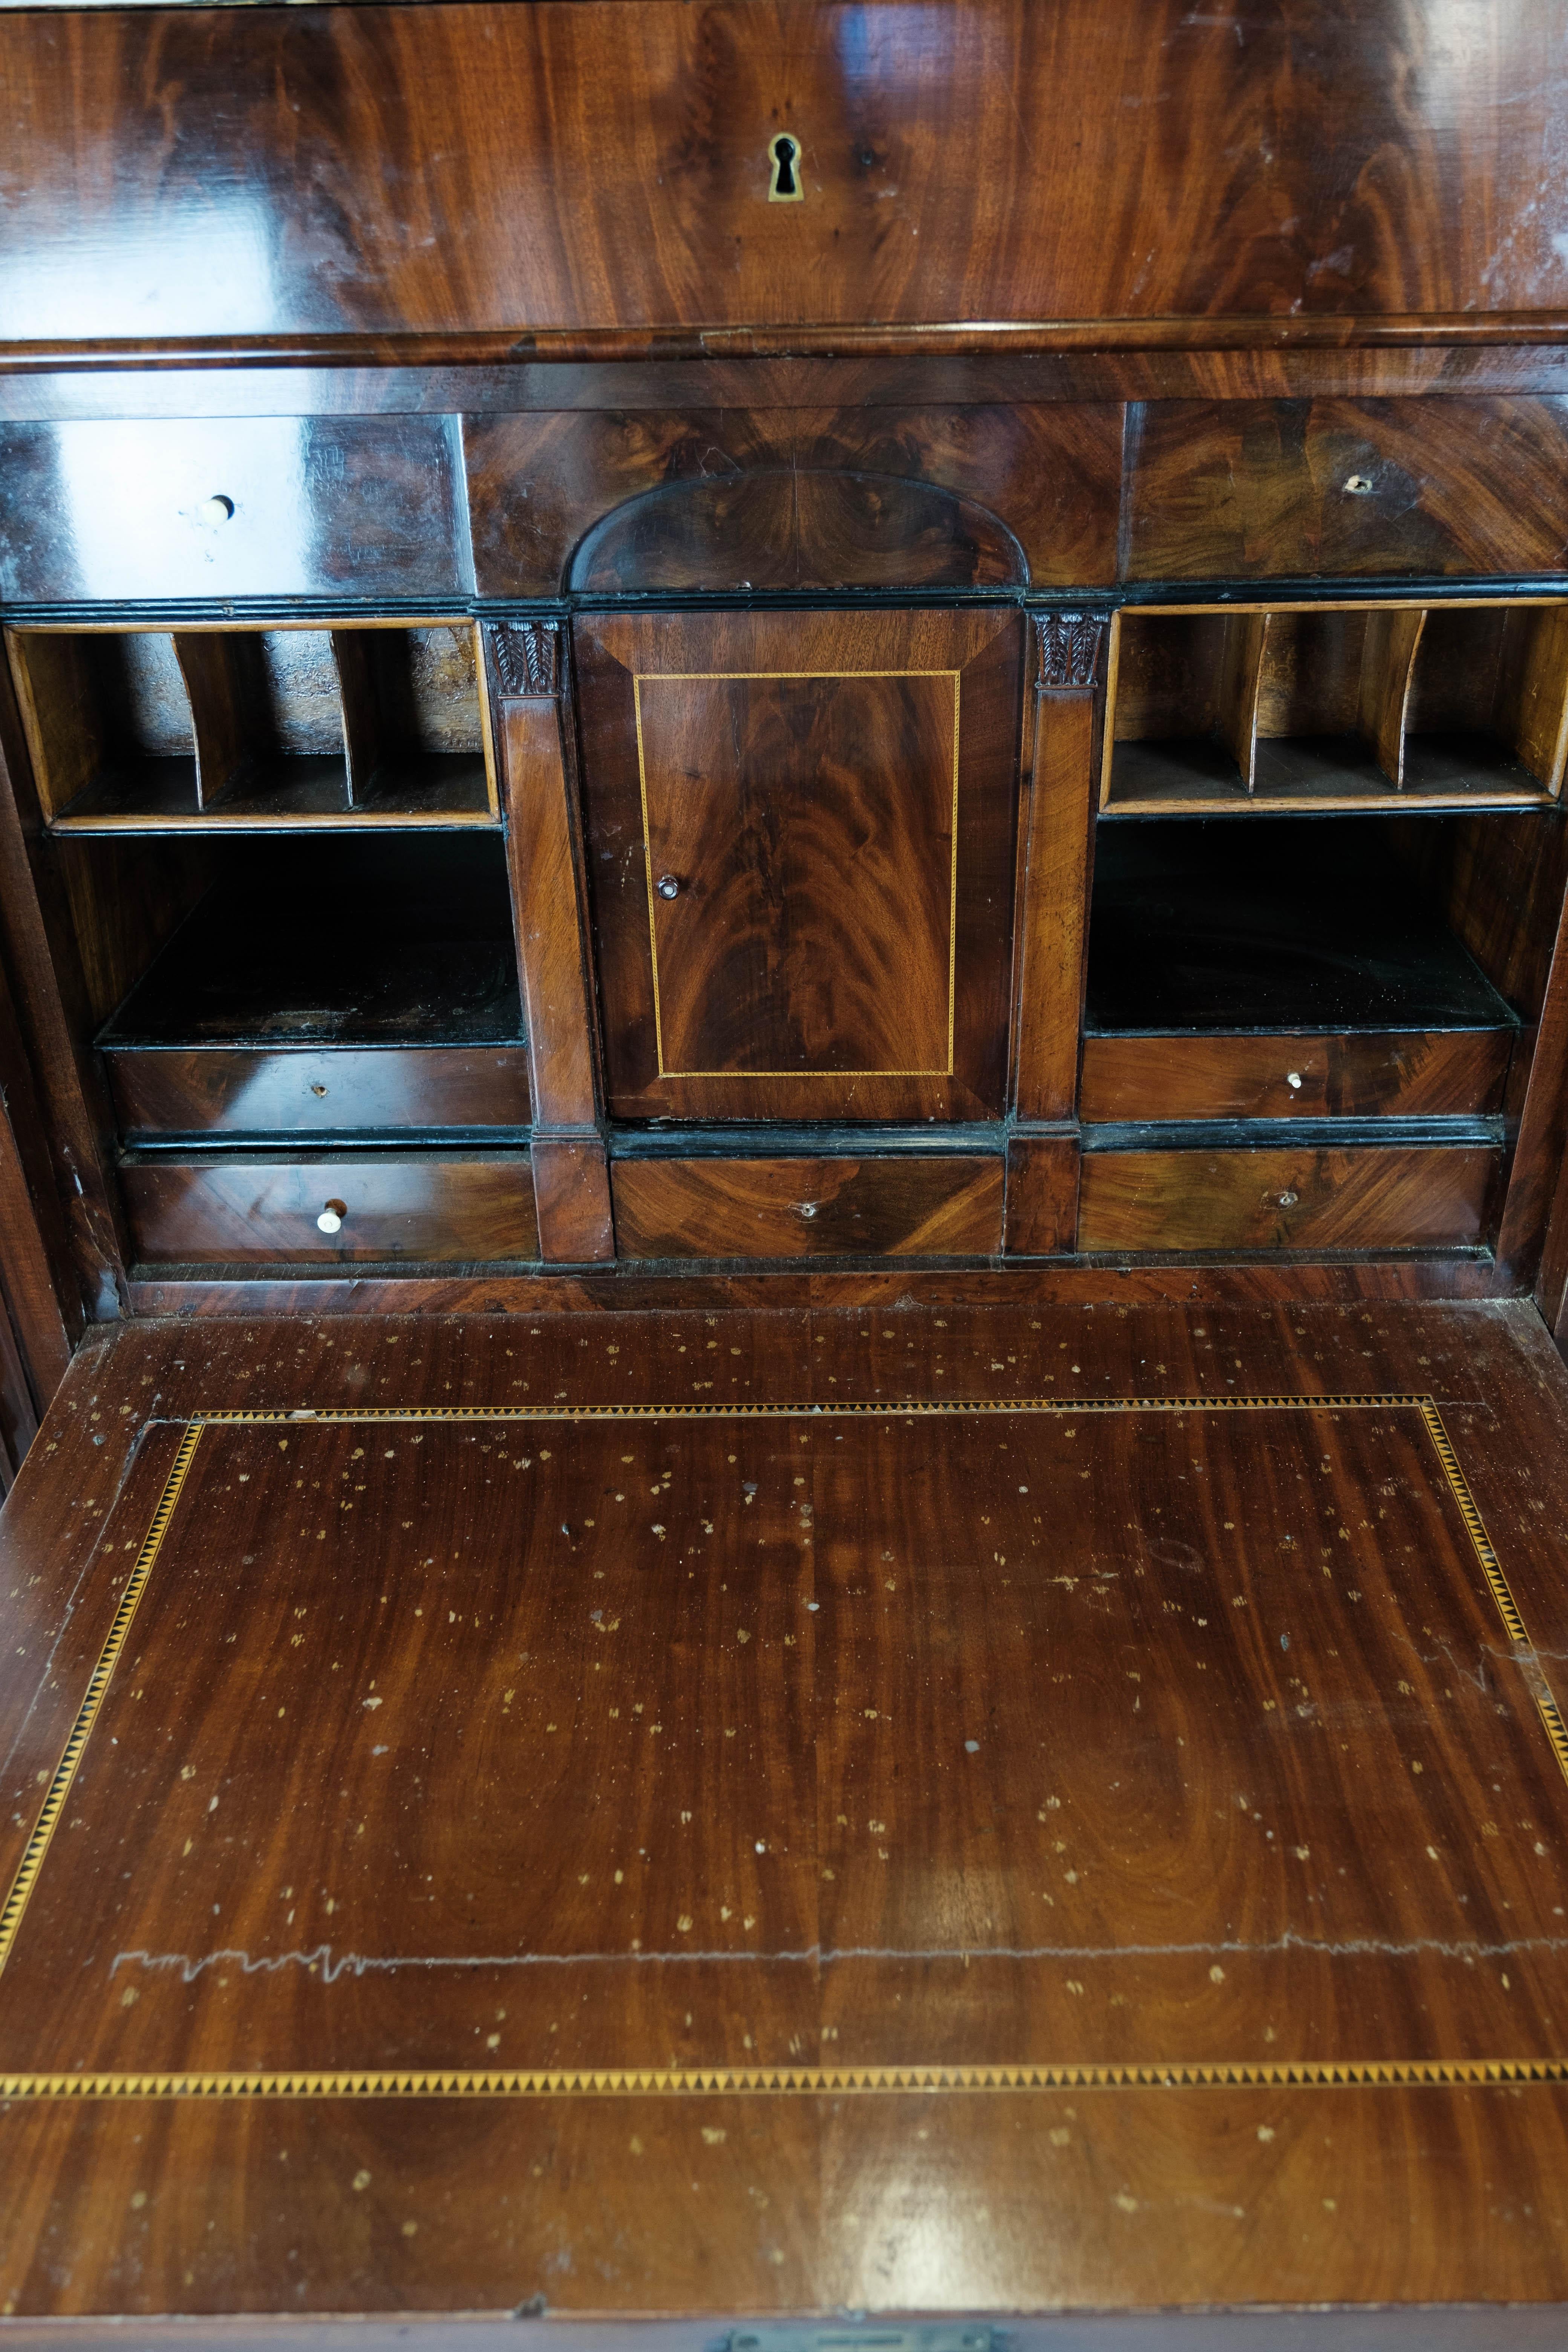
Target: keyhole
{"type": "Point", "coordinates": [784, 187]}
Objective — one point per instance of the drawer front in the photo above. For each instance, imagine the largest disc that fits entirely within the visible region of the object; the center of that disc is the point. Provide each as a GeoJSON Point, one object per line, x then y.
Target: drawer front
{"type": "Point", "coordinates": [1246, 489]}
{"type": "Point", "coordinates": [917, 1206]}
{"type": "Point", "coordinates": [199, 1089]}
{"type": "Point", "coordinates": [1280, 1076]}
{"type": "Point", "coordinates": [315, 506]}
{"type": "Point", "coordinates": [426, 1206]}
{"type": "Point", "coordinates": [1373, 1198]}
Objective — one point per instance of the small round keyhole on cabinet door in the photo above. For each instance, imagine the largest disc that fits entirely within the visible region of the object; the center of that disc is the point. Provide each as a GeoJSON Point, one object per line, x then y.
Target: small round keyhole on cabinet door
{"type": "Point", "coordinates": [667, 886]}
{"type": "Point", "coordinates": [784, 188]}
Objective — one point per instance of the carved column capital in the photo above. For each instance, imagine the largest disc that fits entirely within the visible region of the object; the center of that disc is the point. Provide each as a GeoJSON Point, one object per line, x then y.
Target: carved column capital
{"type": "Point", "coordinates": [1068, 646]}
{"type": "Point", "coordinates": [527, 658]}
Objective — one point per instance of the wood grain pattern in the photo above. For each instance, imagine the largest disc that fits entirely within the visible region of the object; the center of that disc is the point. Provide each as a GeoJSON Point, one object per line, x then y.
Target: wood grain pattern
{"type": "Point", "coordinates": [379, 161]}
{"type": "Point", "coordinates": [826, 944]}
{"type": "Point", "coordinates": [1036, 1866]}
{"type": "Point", "coordinates": [1243, 489]}
{"type": "Point", "coordinates": [320, 507]}
{"type": "Point", "coordinates": [921, 1205]}
{"type": "Point", "coordinates": [1042, 1194]}
{"type": "Point", "coordinates": [572, 1199]}
{"type": "Point", "coordinates": [428, 1205]}
{"type": "Point", "coordinates": [1186, 1075]}
{"type": "Point", "coordinates": [1376, 1197]}
{"type": "Point", "coordinates": [546, 896]}
{"type": "Point", "coordinates": [217, 1089]}
{"type": "Point", "coordinates": [538, 486]}
{"type": "Point", "coordinates": [1388, 662]}
{"type": "Point", "coordinates": [1054, 896]}
{"type": "Point", "coordinates": [789, 529]}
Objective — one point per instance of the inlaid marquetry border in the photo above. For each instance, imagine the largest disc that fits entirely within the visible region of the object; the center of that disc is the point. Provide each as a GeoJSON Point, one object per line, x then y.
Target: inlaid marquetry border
{"type": "Point", "coordinates": [306, 2082]}
{"type": "Point", "coordinates": [727, 677]}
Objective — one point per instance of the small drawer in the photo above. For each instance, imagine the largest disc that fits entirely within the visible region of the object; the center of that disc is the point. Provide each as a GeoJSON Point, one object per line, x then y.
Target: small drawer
{"type": "Point", "coordinates": [240, 506]}
{"type": "Point", "coordinates": [1285, 1074]}
{"type": "Point", "coordinates": [441, 1206]}
{"type": "Point", "coordinates": [1417, 1197]}
{"type": "Point", "coordinates": [918, 1205]}
{"type": "Point", "coordinates": [259, 1091]}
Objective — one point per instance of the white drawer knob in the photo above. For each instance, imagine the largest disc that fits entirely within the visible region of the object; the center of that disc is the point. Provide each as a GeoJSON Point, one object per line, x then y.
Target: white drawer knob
{"type": "Point", "coordinates": [331, 1217]}
{"type": "Point", "coordinates": [214, 513]}
{"type": "Point", "coordinates": [1293, 1080]}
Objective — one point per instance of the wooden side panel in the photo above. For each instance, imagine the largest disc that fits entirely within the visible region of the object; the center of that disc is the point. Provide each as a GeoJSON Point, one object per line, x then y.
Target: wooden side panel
{"type": "Point", "coordinates": [1370, 1198]}
{"type": "Point", "coordinates": [1042, 1194]}
{"type": "Point", "coordinates": [1407, 1072]}
{"type": "Point", "coordinates": [190, 1090]}
{"type": "Point", "coordinates": [1243, 489]}
{"type": "Point", "coordinates": [539, 484]}
{"type": "Point", "coordinates": [920, 1205]}
{"type": "Point", "coordinates": [248, 1210]}
{"type": "Point", "coordinates": [800, 831]}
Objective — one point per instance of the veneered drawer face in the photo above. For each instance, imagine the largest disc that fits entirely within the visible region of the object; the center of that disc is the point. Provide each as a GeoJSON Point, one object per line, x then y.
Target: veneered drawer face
{"type": "Point", "coordinates": [234, 506]}
{"type": "Point", "coordinates": [1286, 1075]}
{"type": "Point", "coordinates": [1374, 1197]}
{"type": "Point", "coordinates": [946, 1205]}
{"type": "Point", "coordinates": [434, 1206]}
{"type": "Point", "coordinates": [222, 1089]}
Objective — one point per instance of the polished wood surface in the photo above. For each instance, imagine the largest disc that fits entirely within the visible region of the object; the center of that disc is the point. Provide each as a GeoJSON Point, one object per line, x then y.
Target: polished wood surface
{"type": "Point", "coordinates": [230, 1208]}
{"type": "Point", "coordinates": [1042, 1193]}
{"type": "Point", "coordinates": [1315, 489]}
{"type": "Point", "coordinates": [316, 507]}
{"type": "Point", "coordinates": [800, 836]}
{"type": "Point", "coordinates": [925, 1204]}
{"type": "Point", "coordinates": [759, 1702]}
{"type": "Point", "coordinates": [1033, 493]}
{"type": "Point", "coordinates": [1285, 1074]}
{"type": "Point", "coordinates": [245, 1089]}
{"type": "Point", "coordinates": [304, 201]}
{"type": "Point", "coordinates": [1057, 867]}
{"type": "Point", "coordinates": [1381, 1196]}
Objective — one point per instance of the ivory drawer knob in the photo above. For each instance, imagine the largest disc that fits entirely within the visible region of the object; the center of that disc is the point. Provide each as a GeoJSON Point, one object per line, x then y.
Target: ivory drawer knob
{"type": "Point", "coordinates": [216, 511]}
{"type": "Point", "coordinates": [1293, 1080]}
{"type": "Point", "coordinates": [331, 1217]}
{"type": "Point", "coordinates": [669, 887]}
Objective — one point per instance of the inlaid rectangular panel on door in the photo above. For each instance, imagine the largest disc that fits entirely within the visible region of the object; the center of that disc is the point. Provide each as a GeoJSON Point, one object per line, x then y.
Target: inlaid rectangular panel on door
{"type": "Point", "coordinates": [800, 833]}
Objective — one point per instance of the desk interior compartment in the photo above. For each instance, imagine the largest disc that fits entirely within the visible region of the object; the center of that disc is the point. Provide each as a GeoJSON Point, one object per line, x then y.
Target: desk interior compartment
{"type": "Point", "coordinates": [255, 729]}
{"type": "Point", "coordinates": [1328, 707]}
{"type": "Point", "coordinates": [1287, 969]}
{"type": "Point", "coordinates": [326, 987]}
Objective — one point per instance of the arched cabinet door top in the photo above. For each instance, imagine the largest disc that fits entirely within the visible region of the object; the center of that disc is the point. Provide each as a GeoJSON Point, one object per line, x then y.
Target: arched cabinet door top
{"type": "Point", "coordinates": [780, 528]}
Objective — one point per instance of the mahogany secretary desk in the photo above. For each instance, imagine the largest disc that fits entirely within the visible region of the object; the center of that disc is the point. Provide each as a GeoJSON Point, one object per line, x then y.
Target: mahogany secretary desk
{"type": "Point", "coordinates": [784, 1046]}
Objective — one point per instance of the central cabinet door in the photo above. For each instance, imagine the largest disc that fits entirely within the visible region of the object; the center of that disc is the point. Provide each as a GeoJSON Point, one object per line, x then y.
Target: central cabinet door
{"type": "Point", "coordinates": [800, 831]}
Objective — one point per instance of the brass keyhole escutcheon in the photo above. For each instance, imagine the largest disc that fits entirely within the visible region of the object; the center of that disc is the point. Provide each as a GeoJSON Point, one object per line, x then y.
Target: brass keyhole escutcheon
{"type": "Point", "coordinates": [784, 187]}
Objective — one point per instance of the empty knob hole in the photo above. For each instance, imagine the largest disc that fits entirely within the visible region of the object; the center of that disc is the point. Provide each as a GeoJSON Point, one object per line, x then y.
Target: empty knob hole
{"type": "Point", "coordinates": [331, 1217]}
{"type": "Point", "coordinates": [805, 1208]}
{"type": "Point", "coordinates": [215, 510]}
{"type": "Point", "coordinates": [1288, 1199]}
{"type": "Point", "coordinates": [1357, 486]}
{"type": "Point", "coordinates": [669, 887]}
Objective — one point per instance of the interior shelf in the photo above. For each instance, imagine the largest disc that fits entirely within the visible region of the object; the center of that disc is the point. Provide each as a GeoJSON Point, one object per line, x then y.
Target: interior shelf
{"type": "Point", "coordinates": [1206, 928]}
{"type": "Point", "coordinates": [361, 945]}
{"type": "Point", "coordinates": [1452, 705]}
{"type": "Point", "coordinates": [255, 729]}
